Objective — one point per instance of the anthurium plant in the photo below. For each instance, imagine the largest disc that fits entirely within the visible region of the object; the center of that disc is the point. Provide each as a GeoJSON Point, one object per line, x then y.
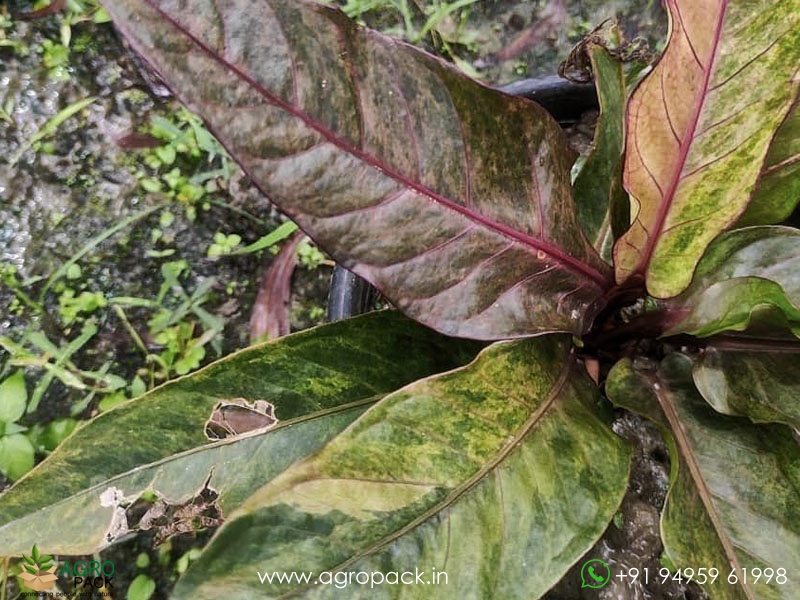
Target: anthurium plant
{"type": "Point", "coordinates": [470, 438]}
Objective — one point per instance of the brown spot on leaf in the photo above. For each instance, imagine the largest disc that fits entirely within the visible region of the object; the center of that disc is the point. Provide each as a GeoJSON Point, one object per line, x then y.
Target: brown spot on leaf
{"type": "Point", "coordinates": [238, 416]}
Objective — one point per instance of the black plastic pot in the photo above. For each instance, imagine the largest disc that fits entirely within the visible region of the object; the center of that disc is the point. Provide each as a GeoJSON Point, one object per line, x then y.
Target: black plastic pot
{"type": "Point", "coordinates": [350, 295]}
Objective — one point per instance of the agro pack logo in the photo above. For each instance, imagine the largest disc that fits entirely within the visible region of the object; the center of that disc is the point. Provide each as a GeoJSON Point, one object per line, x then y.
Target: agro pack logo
{"type": "Point", "coordinates": [89, 574]}
{"type": "Point", "coordinates": [38, 573]}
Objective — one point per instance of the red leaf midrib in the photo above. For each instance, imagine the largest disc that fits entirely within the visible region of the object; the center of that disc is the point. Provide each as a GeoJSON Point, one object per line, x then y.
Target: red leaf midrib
{"type": "Point", "coordinates": [594, 276]}
{"type": "Point", "coordinates": [684, 148]}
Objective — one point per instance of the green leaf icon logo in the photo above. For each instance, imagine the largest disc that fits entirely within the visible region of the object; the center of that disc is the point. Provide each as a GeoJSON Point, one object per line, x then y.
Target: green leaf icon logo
{"type": "Point", "coordinates": [37, 562]}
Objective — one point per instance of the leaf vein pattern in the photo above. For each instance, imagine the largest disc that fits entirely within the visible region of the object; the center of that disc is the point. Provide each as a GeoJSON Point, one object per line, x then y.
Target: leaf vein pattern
{"type": "Point", "coordinates": [685, 222]}
{"type": "Point", "coordinates": [666, 108]}
{"type": "Point", "coordinates": [685, 35]}
{"type": "Point", "coordinates": [569, 262]}
{"type": "Point", "coordinates": [471, 413]}
{"type": "Point", "coordinates": [289, 53]}
{"type": "Point", "coordinates": [386, 201]}
{"type": "Point", "coordinates": [644, 164]}
{"type": "Point", "coordinates": [686, 142]}
{"type": "Point", "coordinates": [738, 72]}
{"type": "Point", "coordinates": [786, 163]}
{"type": "Point", "coordinates": [422, 484]}
{"type": "Point", "coordinates": [563, 297]}
{"type": "Point", "coordinates": [726, 119]}
{"type": "Point", "coordinates": [476, 270]}
{"type": "Point", "coordinates": [412, 132]}
{"type": "Point", "coordinates": [299, 154]}
{"type": "Point", "coordinates": [716, 159]}
{"type": "Point", "coordinates": [439, 246]}
{"type": "Point", "coordinates": [527, 279]}
{"type": "Point", "coordinates": [488, 382]}
{"type": "Point", "coordinates": [432, 435]}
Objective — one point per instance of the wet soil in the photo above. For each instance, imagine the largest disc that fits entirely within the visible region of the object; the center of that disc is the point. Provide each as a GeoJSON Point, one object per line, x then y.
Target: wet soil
{"type": "Point", "coordinates": [501, 41]}
{"type": "Point", "coordinates": [530, 39]}
{"type": "Point", "coordinates": [56, 198]}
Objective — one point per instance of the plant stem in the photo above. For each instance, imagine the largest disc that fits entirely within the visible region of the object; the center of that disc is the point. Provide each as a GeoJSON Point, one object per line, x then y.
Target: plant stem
{"type": "Point", "coordinates": [240, 211]}
{"type": "Point", "coordinates": [131, 331]}
{"type": "Point", "coordinates": [26, 300]}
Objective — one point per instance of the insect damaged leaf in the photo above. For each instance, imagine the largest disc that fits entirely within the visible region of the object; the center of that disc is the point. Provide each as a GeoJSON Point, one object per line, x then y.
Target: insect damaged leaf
{"type": "Point", "coordinates": [166, 519]}
{"type": "Point", "coordinates": [238, 416]}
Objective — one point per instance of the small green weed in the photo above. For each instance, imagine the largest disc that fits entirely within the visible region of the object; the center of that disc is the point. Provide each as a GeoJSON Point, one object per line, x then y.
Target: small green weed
{"type": "Point", "coordinates": [50, 128]}
{"type": "Point", "coordinates": [55, 57]}
{"type": "Point", "coordinates": [417, 19]}
{"type": "Point", "coordinates": [67, 323]}
{"type": "Point", "coordinates": [7, 38]}
{"type": "Point", "coordinates": [18, 443]}
{"type": "Point", "coordinates": [173, 323]}
{"type": "Point", "coordinates": [179, 330]}
{"type": "Point", "coordinates": [16, 450]}
{"type": "Point", "coordinates": [310, 256]}
{"type": "Point", "coordinates": [71, 307]}
{"type": "Point", "coordinates": [187, 163]}
{"type": "Point", "coordinates": [223, 244]}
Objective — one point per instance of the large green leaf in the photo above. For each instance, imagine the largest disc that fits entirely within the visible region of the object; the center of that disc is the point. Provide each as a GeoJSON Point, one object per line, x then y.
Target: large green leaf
{"type": "Point", "coordinates": [734, 499]}
{"type": "Point", "coordinates": [316, 370]}
{"type": "Point", "coordinates": [759, 383]}
{"type": "Point", "coordinates": [748, 275]}
{"type": "Point", "coordinates": [452, 198]}
{"type": "Point", "coordinates": [501, 474]}
{"type": "Point", "coordinates": [95, 517]}
{"type": "Point", "coordinates": [778, 190]}
{"type": "Point", "coordinates": [699, 127]}
{"type": "Point", "coordinates": [602, 202]}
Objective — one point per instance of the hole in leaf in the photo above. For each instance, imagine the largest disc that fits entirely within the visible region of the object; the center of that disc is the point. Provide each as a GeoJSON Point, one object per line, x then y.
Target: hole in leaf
{"type": "Point", "coordinates": [167, 520]}
{"type": "Point", "coordinates": [238, 416]}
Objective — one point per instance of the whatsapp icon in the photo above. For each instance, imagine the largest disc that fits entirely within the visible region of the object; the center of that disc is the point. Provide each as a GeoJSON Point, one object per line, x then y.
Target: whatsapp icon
{"type": "Point", "coordinates": [595, 574]}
